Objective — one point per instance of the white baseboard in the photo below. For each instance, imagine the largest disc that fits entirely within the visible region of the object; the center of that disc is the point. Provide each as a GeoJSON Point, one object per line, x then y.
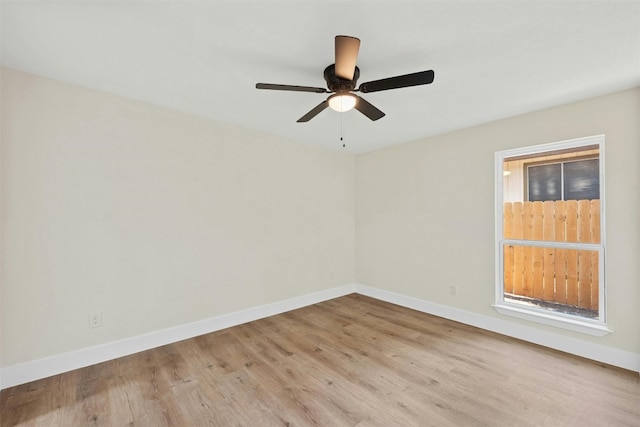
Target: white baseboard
{"type": "Point", "coordinates": [611, 356]}
{"type": "Point", "coordinates": [42, 368]}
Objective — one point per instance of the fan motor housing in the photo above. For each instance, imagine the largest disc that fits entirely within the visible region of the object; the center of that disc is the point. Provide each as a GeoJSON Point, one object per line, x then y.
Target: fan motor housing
{"type": "Point", "coordinates": [338, 84]}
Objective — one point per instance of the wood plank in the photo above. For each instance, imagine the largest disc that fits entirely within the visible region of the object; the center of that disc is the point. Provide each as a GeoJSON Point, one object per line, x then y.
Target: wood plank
{"type": "Point", "coordinates": [507, 273]}
{"type": "Point", "coordinates": [349, 361]}
{"type": "Point", "coordinates": [595, 221]}
{"type": "Point", "coordinates": [548, 234]}
{"type": "Point", "coordinates": [571, 210]}
{"type": "Point", "coordinates": [537, 252]}
{"type": "Point", "coordinates": [584, 278]}
{"type": "Point", "coordinates": [559, 259]}
{"type": "Point", "coordinates": [517, 231]}
{"type": "Point", "coordinates": [595, 281]}
{"type": "Point", "coordinates": [560, 270]}
{"type": "Point", "coordinates": [584, 221]}
{"type": "Point", "coordinates": [548, 220]}
{"type": "Point", "coordinates": [548, 274]}
{"type": "Point", "coordinates": [560, 220]}
{"type": "Point", "coordinates": [507, 216]}
{"type": "Point", "coordinates": [572, 276]}
{"type": "Point", "coordinates": [508, 268]}
{"type": "Point", "coordinates": [528, 253]}
{"type": "Point", "coordinates": [518, 251]}
{"type": "Point", "coordinates": [595, 267]}
{"type": "Point", "coordinates": [584, 257]}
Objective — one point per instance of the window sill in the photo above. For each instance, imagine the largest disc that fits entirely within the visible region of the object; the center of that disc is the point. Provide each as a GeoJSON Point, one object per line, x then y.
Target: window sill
{"type": "Point", "coordinates": [576, 325]}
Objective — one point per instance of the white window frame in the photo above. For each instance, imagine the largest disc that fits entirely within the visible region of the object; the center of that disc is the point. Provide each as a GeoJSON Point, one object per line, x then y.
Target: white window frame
{"type": "Point", "coordinates": [596, 327]}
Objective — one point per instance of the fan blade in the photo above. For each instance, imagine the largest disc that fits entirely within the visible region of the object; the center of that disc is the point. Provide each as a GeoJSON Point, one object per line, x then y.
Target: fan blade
{"type": "Point", "coordinates": [291, 87]}
{"type": "Point", "coordinates": [414, 79]}
{"type": "Point", "coordinates": [346, 56]}
{"type": "Point", "coordinates": [314, 112]}
{"type": "Point", "coordinates": [368, 109]}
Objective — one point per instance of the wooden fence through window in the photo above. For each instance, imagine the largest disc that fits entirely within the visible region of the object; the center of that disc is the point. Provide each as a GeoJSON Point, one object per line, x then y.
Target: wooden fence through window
{"type": "Point", "coordinates": [565, 276]}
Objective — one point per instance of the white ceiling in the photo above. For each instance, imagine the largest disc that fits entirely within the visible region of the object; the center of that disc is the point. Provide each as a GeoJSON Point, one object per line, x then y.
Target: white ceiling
{"type": "Point", "coordinates": [492, 59]}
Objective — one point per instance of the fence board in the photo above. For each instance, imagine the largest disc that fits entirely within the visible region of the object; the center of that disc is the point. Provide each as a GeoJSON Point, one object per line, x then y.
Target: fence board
{"type": "Point", "coordinates": [508, 220]}
{"type": "Point", "coordinates": [595, 267]}
{"type": "Point", "coordinates": [595, 221]}
{"type": "Point", "coordinates": [527, 223]}
{"type": "Point", "coordinates": [584, 221]}
{"type": "Point", "coordinates": [548, 233]}
{"type": "Point", "coordinates": [548, 220]}
{"type": "Point", "coordinates": [548, 274]}
{"type": "Point", "coordinates": [560, 221]}
{"type": "Point", "coordinates": [595, 281]}
{"type": "Point", "coordinates": [584, 279]}
{"type": "Point", "coordinates": [560, 259]}
{"type": "Point", "coordinates": [537, 253]}
{"type": "Point", "coordinates": [571, 225]}
{"type": "Point", "coordinates": [518, 253]}
{"type": "Point", "coordinates": [508, 249]}
{"type": "Point", "coordinates": [508, 252]}
{"type": "Point", "coordinates": [571, 210]}
{"type": "Point", "coordinates": [584, 257]}
{"type": "Point", "coordinates": [572, 277]}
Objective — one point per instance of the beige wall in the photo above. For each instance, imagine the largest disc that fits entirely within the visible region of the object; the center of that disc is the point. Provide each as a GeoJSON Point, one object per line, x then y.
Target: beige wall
{"type": "Point", "coordinates": [425, 210]}
{"type": "Point", "coordinates": [153, 217]}
{"type": "Point", "coordinates": [158, 218]}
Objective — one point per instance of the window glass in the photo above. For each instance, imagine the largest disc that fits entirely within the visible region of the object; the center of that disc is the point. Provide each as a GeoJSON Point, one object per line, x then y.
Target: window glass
{"type": "Point", "coordinates": [581, 180]}
{"type": "Point", "coordinates": [545, 182]}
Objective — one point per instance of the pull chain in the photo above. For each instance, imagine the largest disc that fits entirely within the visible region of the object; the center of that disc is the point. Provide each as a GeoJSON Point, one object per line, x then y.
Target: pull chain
{"type": "Point", "coordinates": [342, 129]}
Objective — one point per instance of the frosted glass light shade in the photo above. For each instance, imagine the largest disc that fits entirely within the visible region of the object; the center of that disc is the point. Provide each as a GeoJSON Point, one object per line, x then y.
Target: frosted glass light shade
{"type": "Point", "coordinates": [342, 102]}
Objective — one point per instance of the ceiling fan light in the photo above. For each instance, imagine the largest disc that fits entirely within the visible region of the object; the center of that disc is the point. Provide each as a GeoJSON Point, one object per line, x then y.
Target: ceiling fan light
{"type": "Point", "coordinates": [342, 102]}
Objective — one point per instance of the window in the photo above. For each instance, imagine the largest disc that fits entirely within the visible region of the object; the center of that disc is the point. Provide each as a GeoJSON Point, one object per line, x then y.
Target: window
{"type": "Point", "coordinates": [563, 180]}
{"type": "Point", "coordinates": [549, 234]}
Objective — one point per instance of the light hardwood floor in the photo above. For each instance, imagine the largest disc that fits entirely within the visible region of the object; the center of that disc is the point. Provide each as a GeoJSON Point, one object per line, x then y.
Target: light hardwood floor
{"type": "Point", "coordinates": [352, 361]}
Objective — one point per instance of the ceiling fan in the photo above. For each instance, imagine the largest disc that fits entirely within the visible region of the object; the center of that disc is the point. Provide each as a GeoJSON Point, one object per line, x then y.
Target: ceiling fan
{"type": "Point", "coordinates": [341, 79]}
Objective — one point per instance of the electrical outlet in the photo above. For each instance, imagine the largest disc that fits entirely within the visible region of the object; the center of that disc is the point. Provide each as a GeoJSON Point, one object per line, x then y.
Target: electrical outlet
{"type": "Point", "coordinates": [453, 290]}
{"type": "Point", "coordinates": [95, 320]}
